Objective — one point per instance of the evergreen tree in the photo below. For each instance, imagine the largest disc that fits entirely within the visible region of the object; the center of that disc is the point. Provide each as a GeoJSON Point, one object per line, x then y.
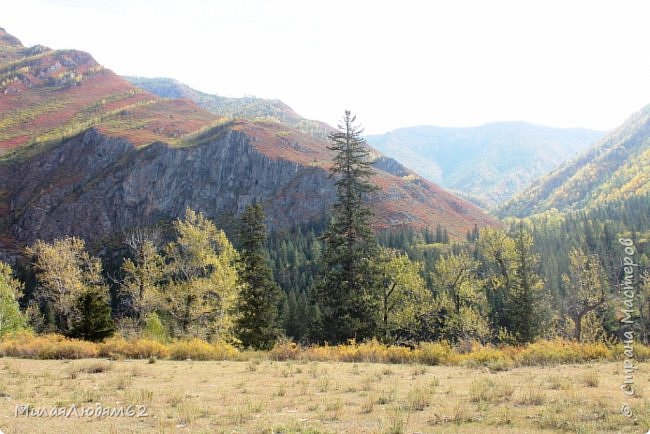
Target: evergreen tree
{"type": "Point", "coordinates": [526, 302]}
{"type": "Point", "coordinates": [348, 291]}
{"type": "Point", "coordinates": [93, 320]}
{"type": "Point", "coordinates": [258, 322]}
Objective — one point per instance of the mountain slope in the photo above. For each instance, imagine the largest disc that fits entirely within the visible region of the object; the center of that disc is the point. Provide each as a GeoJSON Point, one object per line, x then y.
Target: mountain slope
{"type": "Point", "coordinates": [247, 108]}
{"type": "Point", "coordinates": [616, 169]}
{"type": "Point", "coordinates": [86, 153]}
{"type": "Point", "coordinates": [489, 163]}
{"type": "Point", "coordinates": [54, 94]}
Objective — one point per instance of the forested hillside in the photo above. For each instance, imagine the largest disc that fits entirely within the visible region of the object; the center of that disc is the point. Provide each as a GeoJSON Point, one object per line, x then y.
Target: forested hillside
{"type": "Point", "coordinates": [613, 171]}
{"type": "Point", "coordinates": [490, 163]}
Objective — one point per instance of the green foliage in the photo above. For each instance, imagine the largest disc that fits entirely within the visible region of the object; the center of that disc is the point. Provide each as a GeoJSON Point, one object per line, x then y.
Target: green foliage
{"type": "Point", "coordinates": [584, 287]}
{"type": "Point", "coordinates": [143, 274]}
{"type": "Point", "coordinates": [11, 318]}
{"type": "Point", "coordinates": [461, 298]}
{"type": "Point", "coordinates": [526, 303]}
{"type": "Point", "coordinates": [257, 323]}
{"type": "Point", "coordinates": [201, 280]}
{"type": "Point", "coordinates": [612, 172]}
{"type": "Point", "coordinates": [65, 272]}
{"type": "Point", "coordinates": [404, 296]}
{"type": "Point", "coordinates": [92, 321]}
{"type": "Point", "coordinates": [347, 292]}
{"type": "Point", "coordinates": [154, 328]}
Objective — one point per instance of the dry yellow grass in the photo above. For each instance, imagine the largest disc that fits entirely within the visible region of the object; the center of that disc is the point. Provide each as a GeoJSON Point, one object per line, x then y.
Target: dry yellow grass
{"type": "Point", "coordinates": [262, 396]}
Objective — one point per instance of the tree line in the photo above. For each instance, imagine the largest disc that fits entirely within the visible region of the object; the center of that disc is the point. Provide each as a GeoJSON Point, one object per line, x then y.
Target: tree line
{"type": "Point", "coordinates": [336, 280]}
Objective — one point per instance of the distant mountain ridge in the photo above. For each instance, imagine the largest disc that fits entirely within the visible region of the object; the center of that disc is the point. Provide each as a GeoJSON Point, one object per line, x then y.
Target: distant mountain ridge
{"type": "Point", "coordinates": [489, 163]}
{"type": "Point", "coordinates": [616, 169]}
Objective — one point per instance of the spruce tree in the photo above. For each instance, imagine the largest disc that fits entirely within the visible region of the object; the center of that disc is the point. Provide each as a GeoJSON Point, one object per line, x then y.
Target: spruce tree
{"type": "Point", "coordinates": [93, 320]}
{"type": "Point", "coordinates": [258, 322]}
{"type": "Point", "coordinates": [348, 290]}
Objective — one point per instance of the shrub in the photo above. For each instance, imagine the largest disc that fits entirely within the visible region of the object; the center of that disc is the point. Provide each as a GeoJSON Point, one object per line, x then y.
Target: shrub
{"type": "Point", "coordinates": [418, 398]}
{"type": "Point", "coordinates": [94, 322]}
{"type": "Point", "coordinates": [491, 357]}
{"type": "Point", "coordinates": [590, 379]}
{"type": "Point", "coordinates": [147, 348]}
{"type": "Point", "coordinates": [50, 346]}
{"type": "Point", "coordinates": [284, 350]}
{"type": "Point", "coordinates": [196, 349]}
{"type": "Point", "coordinates": [133, 349]}
{"type": "Point", "coordinates": [154, 329]}
{"type": "Point", "coordinates": [532, 396]}
{"type": "Point", "coordinates": [114, 347]}
{"type": "Point", "coordinates": [561, 351]}
{"type": "Point", "coordinates": [434, 353]}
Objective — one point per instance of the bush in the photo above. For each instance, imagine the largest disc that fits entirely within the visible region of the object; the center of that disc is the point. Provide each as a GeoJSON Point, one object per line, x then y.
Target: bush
{"type": "Point", "coordinates": [155, 329]}
{"type": "Point", "coordinates": [284, 350]}
{"type": "Point", "coordinates": [197, 349]}
{"type": "Point", "coordinates": [486, 390]}
{"type": "Point", "coordinates": [479, 355]}
{"type": "Point", "coordinates": [561, 351]}
{"type": "Point", "coordinates": [133, 349]}
{"type": "Point", "coordinates": [434, 353]}
{"type": "Point", "coordinates": [50, 346]}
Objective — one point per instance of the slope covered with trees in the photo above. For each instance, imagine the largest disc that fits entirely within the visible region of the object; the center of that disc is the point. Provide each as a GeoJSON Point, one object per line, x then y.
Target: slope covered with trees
{"type": "Point", "coordinates": [489, 163]}
{"type": "Point", "coordinates": [613, 171]}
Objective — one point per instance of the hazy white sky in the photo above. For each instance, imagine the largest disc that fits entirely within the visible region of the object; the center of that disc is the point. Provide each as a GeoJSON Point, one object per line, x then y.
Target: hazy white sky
{"type": "Point", "coordinates": [394, 63]}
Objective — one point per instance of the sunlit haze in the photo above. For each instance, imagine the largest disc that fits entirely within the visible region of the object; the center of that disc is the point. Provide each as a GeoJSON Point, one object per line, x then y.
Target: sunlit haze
{"type": "Point", "coordinates": [395, 64]}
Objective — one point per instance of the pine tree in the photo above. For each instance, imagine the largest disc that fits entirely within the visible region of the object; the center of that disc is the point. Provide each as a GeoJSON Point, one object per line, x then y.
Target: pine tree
{"type": "Point", "coordinates": [258, 322]}
{"type": "Point", "coordinates": [348, 291]}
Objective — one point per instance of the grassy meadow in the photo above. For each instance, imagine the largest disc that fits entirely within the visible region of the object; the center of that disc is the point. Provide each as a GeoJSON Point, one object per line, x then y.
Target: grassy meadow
{"type": "Point", "coordinates": [260, 395]}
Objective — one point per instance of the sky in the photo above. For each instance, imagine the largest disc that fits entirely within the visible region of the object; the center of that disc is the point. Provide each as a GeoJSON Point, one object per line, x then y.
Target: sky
{"type": "Point", "coordinates": [394, 63]}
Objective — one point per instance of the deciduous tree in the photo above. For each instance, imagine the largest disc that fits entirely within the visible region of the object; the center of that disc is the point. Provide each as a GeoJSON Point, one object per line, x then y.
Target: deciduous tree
{"type": "Point", "coordinates": [201, 280]}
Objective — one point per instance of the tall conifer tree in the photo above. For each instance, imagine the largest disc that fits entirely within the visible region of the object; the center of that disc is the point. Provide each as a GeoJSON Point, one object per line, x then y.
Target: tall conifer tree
{"type": "Point", "coordinates": [348, 291]}
{"type": "Point", "coordinates": [258, 321]}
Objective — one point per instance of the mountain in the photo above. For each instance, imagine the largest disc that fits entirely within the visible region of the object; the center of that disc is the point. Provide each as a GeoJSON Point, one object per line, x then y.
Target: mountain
{"type": "Point", "coordinates": [252, 108]}
{"type": "Point", "coordinates": [86, 153]}
{"type": "Point", "coordinates": [614, 170]}
{"type": "Point", "coordinates": [489, 163]}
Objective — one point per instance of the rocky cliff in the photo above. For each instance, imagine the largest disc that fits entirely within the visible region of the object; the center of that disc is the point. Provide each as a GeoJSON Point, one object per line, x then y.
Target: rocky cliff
{"type": "Point", "coordinates": [93, 185]}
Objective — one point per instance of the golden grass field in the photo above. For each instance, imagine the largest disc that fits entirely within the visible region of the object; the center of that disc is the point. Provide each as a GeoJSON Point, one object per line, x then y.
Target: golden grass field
{"type": "Point", "coordinates": [263, 396]}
